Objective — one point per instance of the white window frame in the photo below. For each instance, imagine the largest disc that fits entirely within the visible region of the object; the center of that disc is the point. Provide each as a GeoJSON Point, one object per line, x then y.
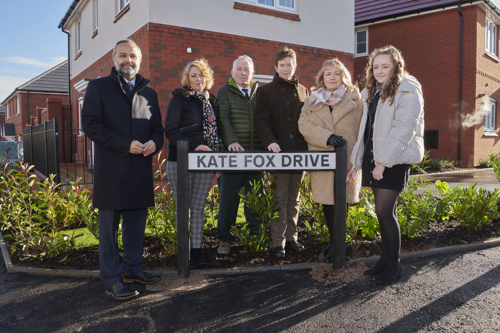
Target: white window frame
{"type": "Point", "coordinates": [490, 117]}
{"type": "Point", "coordinates": [491, 44]}
{"type": "Point", "coordinates": [7, 112]}
{"type": "Point", "coordinates": [95, 14]}
{"type": "Point", "coordinates": [261, 78]}
{"type": "Point", "coordinates": [18, 111]}
{"type": "Point", "coordinates": [122, 4]}
{"type": "Point", "coordinates": [80, 107]}
{"type": "Point", "coordinates": [356, 42]}
{"type": "Point", "coordinates": [275, 5]}
{"type": "Point", "coordinates": [78, 37]}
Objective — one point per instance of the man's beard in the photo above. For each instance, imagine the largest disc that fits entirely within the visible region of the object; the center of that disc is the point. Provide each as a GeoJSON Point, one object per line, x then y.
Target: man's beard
{"type": "Point", "coordinates": [130, 72]}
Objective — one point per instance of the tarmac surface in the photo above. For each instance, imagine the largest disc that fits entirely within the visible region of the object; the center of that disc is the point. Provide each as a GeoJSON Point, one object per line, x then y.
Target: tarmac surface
{"type": "Point", "coordinates": [448, 290]}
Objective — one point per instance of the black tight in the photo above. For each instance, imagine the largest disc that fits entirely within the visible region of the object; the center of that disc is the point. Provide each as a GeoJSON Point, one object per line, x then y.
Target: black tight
{"type": "Point", "coordinates": [385, 208]}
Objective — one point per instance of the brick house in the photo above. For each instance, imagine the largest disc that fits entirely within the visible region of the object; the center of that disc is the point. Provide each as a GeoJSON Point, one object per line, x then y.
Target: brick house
{"type": "Point", "coordinates": [42, 98]}
{"type": "Point", "coordinates": [452, 49]}
{"type": "Point", "coordinates": [173, 33]}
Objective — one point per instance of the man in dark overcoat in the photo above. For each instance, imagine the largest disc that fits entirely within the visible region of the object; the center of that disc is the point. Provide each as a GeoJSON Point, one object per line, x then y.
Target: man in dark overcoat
{"type": "Point", "coordinates": [122, 117]}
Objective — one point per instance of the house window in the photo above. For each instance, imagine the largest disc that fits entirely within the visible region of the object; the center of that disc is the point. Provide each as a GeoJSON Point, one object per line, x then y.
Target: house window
{"type": "Point", "coordinates": [78, 38]}
{"type": "Point", "coordinates": [282, 5]}
{"type": "Point", "coordinates": [96, 15]}
{"type": "Point", "coordinates": [489, 118]}
{"type": "Point", "coordinates": [18, 111]}
{"type": "Point", "coordinates": [80, 107]}
{"type": "Point", "coordinates": [361, 43]}
{"type": "Point", "coordinates": [491, 38]}
{"type": "Point", "coordinates": [122, 4]}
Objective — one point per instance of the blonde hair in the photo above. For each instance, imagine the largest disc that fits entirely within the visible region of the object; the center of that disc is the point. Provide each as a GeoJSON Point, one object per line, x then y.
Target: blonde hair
{"type": "Point", "coordinates": [205, 69]}
{"type": "Point", "coordinates": [334, 63]}
{"type": "Point", "coordinates": [390, 88]}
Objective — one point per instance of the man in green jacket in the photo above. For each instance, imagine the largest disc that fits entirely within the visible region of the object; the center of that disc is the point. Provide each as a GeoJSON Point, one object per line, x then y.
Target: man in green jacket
{"type": "Point", "coordinates": [236, 107]}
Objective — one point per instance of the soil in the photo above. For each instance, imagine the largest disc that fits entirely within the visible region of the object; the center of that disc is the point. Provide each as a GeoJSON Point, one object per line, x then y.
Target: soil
{"type": "Point", "coordinates": [440, 234]}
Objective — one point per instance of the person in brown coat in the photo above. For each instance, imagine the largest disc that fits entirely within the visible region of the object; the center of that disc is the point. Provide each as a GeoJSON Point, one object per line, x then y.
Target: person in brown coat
{"type": "Point", "coordinates": [330, 119]}
{"type": "Point", "coordinates": [276, 114]}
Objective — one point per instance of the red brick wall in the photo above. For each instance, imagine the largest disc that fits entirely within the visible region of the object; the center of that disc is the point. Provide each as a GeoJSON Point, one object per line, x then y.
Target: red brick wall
{"type": "Point", "coordinates": [488, 83]}
{"type": "Point", "coordinates": [164, 57]}
{"type": "Point", "coordinates": [29, 104]}
{"type": "Point", "coordinates": [430, 47]}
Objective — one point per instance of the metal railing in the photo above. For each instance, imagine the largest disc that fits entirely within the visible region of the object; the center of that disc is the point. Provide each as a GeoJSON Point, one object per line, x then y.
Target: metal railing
{"type": "Point", "coordinates": [41, 148]}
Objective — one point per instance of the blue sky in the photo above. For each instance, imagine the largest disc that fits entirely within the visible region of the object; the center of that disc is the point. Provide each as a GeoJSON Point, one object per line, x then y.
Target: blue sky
{"type": "Point", "coordinates": [31, 41]}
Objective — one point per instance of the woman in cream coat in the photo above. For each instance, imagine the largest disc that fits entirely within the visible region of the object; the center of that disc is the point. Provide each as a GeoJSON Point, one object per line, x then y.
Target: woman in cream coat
{"type": "Point", "coordinates": [390, 140]}
{"type": "Point", "coordinates": [329, 118]}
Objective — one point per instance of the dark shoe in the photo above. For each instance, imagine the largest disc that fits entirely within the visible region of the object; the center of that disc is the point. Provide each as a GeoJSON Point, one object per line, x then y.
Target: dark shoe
{"type": "Point", "coordinates": [121, 292]}
{"type": "Point", "coordinates": [295, 246]}
{"type": "Point", "coordinates": [376, 269]}
{"type": "Point", "coordinates": [279, 252]}
{"type": "Point", "coordinates": [391, 273]}
{"type": "Point", "coordinates": [144, 278]}
{"type": "Point", "coordinates": [196, 259]}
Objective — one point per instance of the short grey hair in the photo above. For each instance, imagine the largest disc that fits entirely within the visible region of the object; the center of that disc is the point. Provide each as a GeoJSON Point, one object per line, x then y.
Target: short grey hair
{"type": "Point", "coordinates": [128, 41]}
{"type": "Point", "coordinates": [244, 57]}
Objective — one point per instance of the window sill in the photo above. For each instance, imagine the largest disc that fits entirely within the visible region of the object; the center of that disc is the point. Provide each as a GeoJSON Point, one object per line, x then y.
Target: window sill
{"type": "Point", "coordinates": [95, 33]}
{"type": "Point", "coordinates": [490, 133]}
{"type": "Point", "coordinates": [121, 13]}
{"type": "Point", "coordinates": [266, 11]}
{"type": "Point", "coordinates": [492, 56]}
{"type": "Point", "coordinates": [360, 55]}
{"type": "Point", "coordinates": [78, 54]}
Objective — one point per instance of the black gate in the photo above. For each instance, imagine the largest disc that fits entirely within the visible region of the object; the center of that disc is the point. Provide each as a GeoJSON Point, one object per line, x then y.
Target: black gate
{"type": "Point", "coordinates": [41, 148]}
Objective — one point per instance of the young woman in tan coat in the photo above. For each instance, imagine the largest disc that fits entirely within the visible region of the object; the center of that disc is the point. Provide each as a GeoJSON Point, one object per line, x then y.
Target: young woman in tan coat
{"type": "Point", "coordinates": [330, 119]}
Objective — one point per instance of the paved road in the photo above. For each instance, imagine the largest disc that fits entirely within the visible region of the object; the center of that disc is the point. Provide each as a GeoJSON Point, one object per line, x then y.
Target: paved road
{"type": "Point", "coordinates": [484, 178]}
{"type": "Point", "coordinates": [457, 292]}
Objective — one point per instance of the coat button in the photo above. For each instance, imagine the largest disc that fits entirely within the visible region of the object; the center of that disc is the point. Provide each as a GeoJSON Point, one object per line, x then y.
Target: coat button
{"type": "Point", "coordinates": [371, 150]}
{"type": "Point", "coordinates": [300, 104]}
{"type": "Point", "coordinates": [283, 90]}
{"type": "Point", "coordinates": [287, 103]}
{"type": "Point", "coordinates": [291, 136]}
{"type": "Point", "coordinates": [289, 119]}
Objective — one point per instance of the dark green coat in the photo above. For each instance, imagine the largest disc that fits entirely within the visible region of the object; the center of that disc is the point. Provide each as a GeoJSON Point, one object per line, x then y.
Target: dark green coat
{"type": "Point", "coordinates": [236, 116]}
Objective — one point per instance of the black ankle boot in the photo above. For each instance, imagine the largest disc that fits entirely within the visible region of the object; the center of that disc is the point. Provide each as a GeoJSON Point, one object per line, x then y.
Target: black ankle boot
{"type": "Point", "coordinates": [196, 258]}
{"type": "Point", "coordinates": [391, 273]}
{"type": "Point", "coordinates": [377, 268]}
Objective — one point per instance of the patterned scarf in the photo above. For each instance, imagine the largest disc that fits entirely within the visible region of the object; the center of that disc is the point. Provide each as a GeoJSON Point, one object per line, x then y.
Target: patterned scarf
{"type": "Point", "coordinates": [209, 121]}
{"type": "Point", "coordinates": [331, 98]}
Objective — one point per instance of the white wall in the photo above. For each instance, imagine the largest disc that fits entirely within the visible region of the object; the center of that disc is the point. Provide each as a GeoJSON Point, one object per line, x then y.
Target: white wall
{"type": "Point", "coordinates": [108, 32]}
{"type": "Point", "coordinates": [327, 24]}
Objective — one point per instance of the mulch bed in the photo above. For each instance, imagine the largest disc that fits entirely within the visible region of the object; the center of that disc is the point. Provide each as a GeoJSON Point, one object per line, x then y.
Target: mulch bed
{"type": "Point", "coordinates": [440, 234]}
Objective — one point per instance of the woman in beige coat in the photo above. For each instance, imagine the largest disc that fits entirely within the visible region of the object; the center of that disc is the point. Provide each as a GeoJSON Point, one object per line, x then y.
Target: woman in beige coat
{"type": "Point", "coordinates": [329, 119]}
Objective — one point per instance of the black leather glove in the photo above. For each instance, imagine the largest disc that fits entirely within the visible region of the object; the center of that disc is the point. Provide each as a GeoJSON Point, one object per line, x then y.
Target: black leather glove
{"type": "Point", "coordinates": [337, 141]}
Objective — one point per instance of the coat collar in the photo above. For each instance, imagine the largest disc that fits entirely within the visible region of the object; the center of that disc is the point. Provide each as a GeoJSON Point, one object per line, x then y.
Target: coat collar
{"type": "Point", "coordinates": [293, 81]}
{"type": "Point", "coordinates": [346, 105]}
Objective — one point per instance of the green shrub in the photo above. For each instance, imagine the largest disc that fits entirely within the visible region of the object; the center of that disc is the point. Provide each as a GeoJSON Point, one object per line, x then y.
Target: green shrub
{"type": "Point", "coordinates": [260, 201]}
{"type": "Point", "coordinates": [161, 220]}
{"type": "Point", "coordinates": [440, 165]}
{"type": "Point", "coordinates": [495, 163]}
{"type": "Point", "coordinates": [484, 163]}
{"type": "Point", "coordinates": [212, 207]}
{"type": "Point", "coordinates": [34, 214]}
{"type": "Point", "coordinates": [442, 210]}
{"type": "Point", "coordinates": [423, 165]}
{"type": "Point", "coordinates": [475, 207]}
{"type": "Point", "coordinates": [415, 210]}
{"type": "Point", "coordinates": [361, 217]}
